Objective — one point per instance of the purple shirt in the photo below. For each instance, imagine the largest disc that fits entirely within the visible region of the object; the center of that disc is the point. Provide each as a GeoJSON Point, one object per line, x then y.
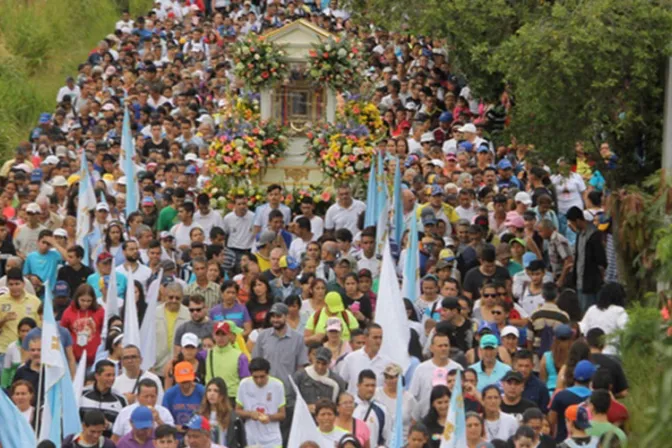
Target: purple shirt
{"type": "Point", "coordinates": [129, 442]}
{"type": "Point", "coordinates": [237, 313]}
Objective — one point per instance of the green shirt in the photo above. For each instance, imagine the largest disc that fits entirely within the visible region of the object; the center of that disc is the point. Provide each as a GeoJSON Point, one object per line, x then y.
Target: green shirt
{"type": "Point", "coordinates": [223, 362]}
{"type": "Point", "coordinates": [166, 219]}
{"type": "Point", "coordinates": [599, 428]}
{"type": "Point", "coordinates": [320, 327]}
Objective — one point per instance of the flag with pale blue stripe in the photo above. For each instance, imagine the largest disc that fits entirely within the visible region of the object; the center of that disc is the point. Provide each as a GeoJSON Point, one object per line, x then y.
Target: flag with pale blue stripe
{"type": "Point", "coordinates": [86, 203]}
{"type": "Point", "coordinates": [398, 210]}
{"type": "Point", "coordinates": [411, 284]}
{"type": "Point", "coordinates": [455, 430]}
{"type": "Point", "coordinates": [370, 216]}
{"type": "Point", "coordinates": [15, 432]}
{"type": "Point", "coordinates": [398, 428]}
{"type": "Point", "coordinates": [128, 146]}
{"type": "Point", "coordinates": [381, 181]}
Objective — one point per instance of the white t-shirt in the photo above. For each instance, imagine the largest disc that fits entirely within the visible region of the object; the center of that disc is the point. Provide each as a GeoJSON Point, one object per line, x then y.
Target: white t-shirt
{"type": "Point", "coordinates": [123, 384]}
{"type": "Point", "coordinates": [357, 361]}
{"type": "Point", "coordinates": [530, 302]}
{"type": "Point", "coordinates": [610, 320]}
{"type": "Point", "coordinates": [141, 274]}
{"type": "Point", "coordinates": [421, 384]}
{"type": "Point", "coordinates": [409, 408]}
{"type": "Point", "coordinates": [467, 213]}
{"type": "Point", "coordinates": [122, 425]}
{"type": "Point", "coordinates": [181, 233]}
{"type": "Point", "coordinates": [569, 190]}
{"type": "Point", "coordinates": [334, 436]}
{"type": "Point", "coordinates": [268, 399]}
{"type": "Point", "coordinates": [502, 429]}
{"type": "Point", "coordinates": [338, 217]}
{"type": "Point", "coordinates": [316, 226]}
{"type": "Point", "coordinates": [240, 230]}
{"type": "Point", "coordinates": [372, 420]}
{"type": "Point", "coordinates": [207, 222]}
{"type": "Point", "coordinates": [297, 248]}
{"type": "Point", "coordinates": [372, 264]}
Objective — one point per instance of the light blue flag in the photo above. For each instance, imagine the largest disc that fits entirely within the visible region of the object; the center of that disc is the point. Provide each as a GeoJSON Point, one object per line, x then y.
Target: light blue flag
{"type": "Point", "coordinates": [128, 146]}
{"type": "Point", "coordinates": [398, 428]}
{"type": "Point", "coordinates": [382, 228]}
{"type": "Point", "coordinates": [411, 284]}
{"type": "Point", "coordinates": [103, 199]}
{"type": "Point", "coordinates": [15, 432]}
{"type": "Point", "coordinates": [381, 194]}
{"type": "Point", "coordinates": [86, 203]}
{"type": "Point", "coordinates": [455, 430]}
{"type": "Point", "coordinates": [370, 217]}
{"type": "Point", "coordinates": [398, 222]}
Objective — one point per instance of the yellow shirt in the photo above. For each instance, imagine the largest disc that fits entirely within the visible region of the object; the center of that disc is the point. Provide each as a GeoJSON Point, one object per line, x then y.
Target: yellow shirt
{"type": "Point", "coordinates": [264, 263]}
{"type": "Point", "coordinates": [171, 318]}
{"type": "Point", "coordinates": [26, 306]}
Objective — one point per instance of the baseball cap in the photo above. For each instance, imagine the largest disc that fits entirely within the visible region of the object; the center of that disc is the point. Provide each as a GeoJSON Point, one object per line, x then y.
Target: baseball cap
{"type": "Point", "coordinates": [392, 369]}
{"type": "Point", "coordinates": [334, 324]}
{"type": "Point", "coordinates": [437, 162]}
{"type": "Point", "coordinates": [334, 302]}
{"type": "Point", "coordinates": [235, 329]}
{"type": "Point", "coordinates": [513, 375]}
{"type": "Point", "coordinates": [510, 330]}
{"type": "Point", "coordinates": [58, 181]}
{"type": "Point", "coordinates": [482, 148]}
{"type": "Point", "coordinates": [427, 137]}
{"type": "Point", "coordinates": [523, 198]}
{"type": "Point", "coordinates": [121, 180]}
{"type": "Point", "coordinates": [45, 117]}
{"type": "Point", "coordinates": [36, 175]}
{"type": "Point", "coordinates": [103, 257]}
{"type": "Point", "coordinates": [265, 238]}
{"type": "Point", "coordinates": [468, 128]}
{"type": "Point", "coordinates": [578, 416]}
{"type": "Point", "coordinates": [60, 233]}
{"type": "Point", "coordinates": [223, 327]}
{"type": "Point", "coordinates": [451, 303]}
{"type": "Point", "coordinates": [279, 308]}
{"type": "Point", "coordinates": [504, 164]}
{"type": "Point", "coordinates": [563, 332]}
{"type": "Point", "coordinates": [198, 423]}
{"type": "Point", "coordinates": [323, 354]}
{"type": "Point", "coordinates": [165, 235]}
{"type": "Point", "coordinates": [50, 160]}
{"type": "Point", "coordinates": [446, 117]}
{"type": "Point", "coordinates": [584, 371]}
{"type": "Point", "coordinates": [61, 289]}
{"type": "Point", "coordinates": [102, 206]}
{"type": "Point", "coordinates": [184, 372]}
{"type": "Point", "coordinates": [289, 262]}
{"type": "Point", "coordinates": [443, 264]}
{"type": "Point", "coordinates": [513, 219]}
{"type": "Point", "coordinates": [33, 208]}
{"type": "Point", "coordinates": [528, 257]}
{"type": "Point", "coordinates": [436, 190]}
{"type": "Point", "coordinates": [489, 341]}
{"type": "Point", "coordinates": [466, 146]}
{"type": "Point", "coordinates": [191, 157]}
{"type": "Point", "coordinates": [519, 241]}
{"type": "Point", "coordinates": [148, 200]}
{"type": "Point", "coordinates": [142, 418]}
{"type": "Point", "coordinates": [447, 255]}
{"type": "Point", "coordinates": [191, 170]}
{"type": "Point", "coordinates": [451, 157]}
{"type": "Point", "coordinates": [189, 340]}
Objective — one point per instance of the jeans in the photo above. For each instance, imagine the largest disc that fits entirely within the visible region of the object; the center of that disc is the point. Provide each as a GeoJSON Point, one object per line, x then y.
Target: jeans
{"type": "Point", "coordinates": [586, 300]}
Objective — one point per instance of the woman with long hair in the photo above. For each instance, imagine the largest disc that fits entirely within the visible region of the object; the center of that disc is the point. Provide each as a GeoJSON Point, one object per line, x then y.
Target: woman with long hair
{"type": "Point", "coordinates": [249, 272]}
{"type": "Point", "coordinates": [475, 429]}
{"type": "Point", "coordinates": [318, 291]}
{"type": "Point", "coordinates": [608, 314]}
{"type": "Point", "coordinates": [226, 428]}
{"type": "Point", "coordinates": [498, 425]}
{"type": "Point", "coordinates": [344, 419]}
{"type": "Point", "coordinates": [335, 343]}
{"type": "Point", "coordinates": [577, 352]}
{"type": "Point", "coordinates": [260, 301]}
{"type": "Point", "coordinates": [296, 319]}
{"type": "Point", "coordinates": [435, 420]}
{"type": "Point", "coordinates": [360, 305]}
{"type": "Point", "coordinates": [112, 241]}
{"type": "Point", "coordinates": [556, 357]}
{"type": "Point", "coordinates": [83, 318]}
{"type": "Point", "coordinates": [114, 349]}
{"type": "Point", "coordinates": [140, 302]}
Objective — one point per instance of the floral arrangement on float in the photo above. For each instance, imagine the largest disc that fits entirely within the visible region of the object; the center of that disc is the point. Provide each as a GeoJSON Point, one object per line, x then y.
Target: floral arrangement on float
{"type": "Point", "coordinates": [337, 63]}
{"type": "Point", "coordinates": [259, 63]}
{"type": "Point", "coordinates": [322, 196]}
{"type": "Point", "coordinates": [362, 112]}
{"type": "Point", "coordinates": [223, 194]}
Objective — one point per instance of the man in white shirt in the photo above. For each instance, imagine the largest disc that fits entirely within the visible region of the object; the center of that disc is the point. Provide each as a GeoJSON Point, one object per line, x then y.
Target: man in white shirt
{"type": "Point", "coordinates": [466, 209]}
{"type": "Point", "coordinates": [69, 89]}
{"type": "Point", "coordinates": [366, 258]}
{"type": "Point", "coordinates": [239, 226]}
{"type": "Point", "coordinates": [182, 230]}
{"type": "Point", "coordinates": [261, 403]}
{"type": "Point", "coordinates": [367, 357]}
{"type": "Point", "coordinates": [206, 217]}
{"type": "Point", "coordinates": [432, 372]}
{"type": "Point", "coordinates": [316, 223]}
{"type": "Point", "coordinates": [344, 214]}
{"type": "Point", "coordinates": [371, 412]}
{"type": "Point", "coordinates": [274, 198]}
{"type": "Point", "coordinates": [128, 382]}
{"type": "Point", "coordinates": [140, 272]}
{"type": "Point", "coordinates": [304, 236]}
{"type": "Point", "coordinates": [147, 396]}
{"type": "Point", "coordinates": [125, 22]}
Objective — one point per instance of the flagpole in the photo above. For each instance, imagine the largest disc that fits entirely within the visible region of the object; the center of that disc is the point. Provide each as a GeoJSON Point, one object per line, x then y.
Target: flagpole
{"type": "Point", "coordinates": [38, 415]}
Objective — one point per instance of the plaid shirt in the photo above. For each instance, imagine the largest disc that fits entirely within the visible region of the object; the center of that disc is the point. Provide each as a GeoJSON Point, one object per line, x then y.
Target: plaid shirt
{"type": "Point", "coordinates": [558, 251]}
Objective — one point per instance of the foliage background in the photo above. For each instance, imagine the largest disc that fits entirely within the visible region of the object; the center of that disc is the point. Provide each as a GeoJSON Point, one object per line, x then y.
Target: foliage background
{"type": "Point", "coordinates": [42, 42]}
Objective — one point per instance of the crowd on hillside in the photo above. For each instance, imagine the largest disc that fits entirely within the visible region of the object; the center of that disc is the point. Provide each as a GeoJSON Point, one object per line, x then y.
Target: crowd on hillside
{"type": "Point", "coordinates": [519, 292]}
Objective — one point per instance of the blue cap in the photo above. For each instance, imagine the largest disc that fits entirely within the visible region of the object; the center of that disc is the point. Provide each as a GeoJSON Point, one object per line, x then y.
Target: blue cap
{"type": "Point", "coordinates": [427, 52]}
{"type": "Point", "coordinates": [411, 159]}
{"type": "Point", "coordinates": [584, 371]}
{"type": "Point", "coordinates": [191, 169]}
{"type": "Point", "coordinates": [504, 164]}
{"type": "Point", "coordinates": [563, 332]}
{"type": "Point", "coordinates": [45, 117]}
{"type": "Point", "coordinates": [436, 190]}
{"type": "Point", "coordinates": [36, 175]}
{"type": "Point", "coordinates": [61, 289]}
{"type": "Point", "coordinates": [446, 117]}
{"type": "Point", "coordinates": [467, 146]}
{"type": "Point", "coordinates": [483, 148]}
{"type": "Point", "coordinates": [528, 257]}
{"type": "Point", "coordinates": [198, 423]}
{"type": "Point", "coordinates": [489, 341]}
{"type": "Point", "coordinates": [142, 418]}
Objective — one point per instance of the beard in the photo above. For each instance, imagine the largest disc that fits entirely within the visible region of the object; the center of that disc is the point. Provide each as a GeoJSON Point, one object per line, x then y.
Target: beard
{"type": "Point", "coordinates": [134, 258]}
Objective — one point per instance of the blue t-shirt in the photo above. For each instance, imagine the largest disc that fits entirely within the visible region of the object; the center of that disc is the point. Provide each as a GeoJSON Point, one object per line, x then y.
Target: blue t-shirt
{"type": "Point", "coordinates": [44, 265]}
{"type": "Point", "coordinates": [36, 333]}
{"type": "Point", "coordinates": [561, 401]}
{"type": "Point", "coordinates": [94, 281]}
{"type": "Point", "coordinates": [181, 407]}
{"type": "Point", "coordinates": [237, 313]}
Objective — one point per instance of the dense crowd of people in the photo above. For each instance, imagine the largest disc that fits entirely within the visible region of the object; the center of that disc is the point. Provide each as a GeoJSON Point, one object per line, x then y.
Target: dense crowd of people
{"type": "Point", "coordinates": [518, 278]}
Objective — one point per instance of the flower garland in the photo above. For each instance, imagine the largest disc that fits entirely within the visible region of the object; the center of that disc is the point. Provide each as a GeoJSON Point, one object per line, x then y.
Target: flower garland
{"type": "Point", "coordinates": [259, 63]}
{"type": "Point", "coordinates": [323, 197]}
{"type": "Point", "coordinates": [341, 153]}
{"type": "Point", "coordinates": [362, 112]}
{"type": "Point", "coordinates": [337, 63]}
{"type": "Point", "coordinates": [223, 195]}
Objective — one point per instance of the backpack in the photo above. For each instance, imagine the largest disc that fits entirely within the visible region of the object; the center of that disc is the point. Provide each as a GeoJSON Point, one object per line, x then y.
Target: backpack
{"type": "Point", "coordinates": [546, 340]}
{"type": "Point", "coordinates": [344, 315]}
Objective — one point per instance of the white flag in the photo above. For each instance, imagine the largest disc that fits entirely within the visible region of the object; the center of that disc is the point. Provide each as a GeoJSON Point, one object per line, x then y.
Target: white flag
{"type": "Point", "coordinates": [131, 326]}
{"type": "Point", "coordinates": [111, 302]}
{"type": "Point", "coordinates": [148, 328]}
{"type": "Point", "coordinates": [303, 427]}
{"type": "Point", "coordinates": [391, 313]}
{"type": "Point", "coordinates": [80, 376]}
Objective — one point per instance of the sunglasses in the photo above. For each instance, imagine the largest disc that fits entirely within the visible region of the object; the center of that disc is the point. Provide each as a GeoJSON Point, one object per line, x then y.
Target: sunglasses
{"type": "Point", "coordinates": [496, 313]}
{"type": "Point", "coordinates": [195, 310]}
{"type": "Point", "coordinates": [489, 295]}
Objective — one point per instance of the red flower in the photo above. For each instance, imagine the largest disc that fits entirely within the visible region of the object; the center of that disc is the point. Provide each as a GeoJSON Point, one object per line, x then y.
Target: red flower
{"type": "Point", "coordinates": [265, 75]}
{"type": "Point", "coordinates": [312, 53]}
{"type": "Point", "coordinates": [325, 55]}
{"type": "Point", "coordinates": [355, 50]}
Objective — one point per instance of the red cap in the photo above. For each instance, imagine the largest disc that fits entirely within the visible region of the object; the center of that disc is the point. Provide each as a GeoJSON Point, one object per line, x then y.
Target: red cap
{"type": "Point", "coordinates": [104, 256]}
{"type": "Point", "coordinates": [404, 125]}
{"type": "Point", "coordinates": [222, 326]}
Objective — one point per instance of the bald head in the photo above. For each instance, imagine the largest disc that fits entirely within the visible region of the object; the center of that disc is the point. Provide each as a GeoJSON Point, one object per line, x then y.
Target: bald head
{"type": "Point", "coordinates": [329, 251]}
{"type": "Point", "coordinates": [408, 200]}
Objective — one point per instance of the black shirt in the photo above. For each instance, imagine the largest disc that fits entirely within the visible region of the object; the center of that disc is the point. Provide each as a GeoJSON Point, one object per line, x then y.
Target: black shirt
{"type": "Point", "coordinates": [613, 365]}
{"type": "Point", "coordinates": [517, 410]}
{"type": "Point", "coordinates": [74, 278]}
{"type": "Point", "coordinates": [163, 146]}
{"type": "Point", "coordinates": [32, 376]}
{"type": "Point", "coordinates": [475, 279]}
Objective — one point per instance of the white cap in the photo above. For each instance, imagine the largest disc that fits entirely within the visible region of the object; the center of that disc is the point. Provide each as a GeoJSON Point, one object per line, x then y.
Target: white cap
{"type": "Point", "coordinates": [108, 106]}
{"type": "Point", "coordinates": [427, 137]}
{"type": "Point", "coordinates": [33, 208]}
{"type": "Point", "coordinates": [510, 330]}
{"type": "Point", "coordinates": [469, 127]}
{"type": "Point", "coordinates": [121, 180]}
{"type": "Point", "coordinates": [189, 339]}
{"type": "Point", "coordinates": [191, 157]}
{"type": "Point", "coordinates": [61, 232]}
{"type": "Point", "coordinates": [50, 160]}
{"type": "Point", "coordinates": [59, 181]}
{"type": "Point", "coordinates": [523, 198]}
{"type": "Point", "coordinates": [103, 206]}
{"type": "Point", "coordinates": [23, 167]}
{"type": "Point", "coordinates": [61, 151]}
{"type": "Point", "coordinates": [437, 162]}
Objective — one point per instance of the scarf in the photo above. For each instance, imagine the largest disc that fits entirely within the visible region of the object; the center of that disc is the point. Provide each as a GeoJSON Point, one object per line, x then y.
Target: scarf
{"type": "Point", "coordinates": [324, 379]}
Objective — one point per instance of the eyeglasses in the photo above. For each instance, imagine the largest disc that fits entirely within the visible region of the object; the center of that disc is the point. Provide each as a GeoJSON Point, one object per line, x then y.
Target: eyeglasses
{"type": "Point", "coordinates": [129, 357]}
{"type": "Point", "coordinates": [194, 310]}
{"type": "Point", "coordinates": [496, 313]}
{"type": "Point", "coordinates": [174, 298]}
{"type": "Point", "coordinates": [489, 295]}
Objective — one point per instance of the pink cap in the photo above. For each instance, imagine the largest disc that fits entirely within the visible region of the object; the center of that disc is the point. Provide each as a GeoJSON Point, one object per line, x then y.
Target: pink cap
{"type": "Point", "coordinates": [513, 219]}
